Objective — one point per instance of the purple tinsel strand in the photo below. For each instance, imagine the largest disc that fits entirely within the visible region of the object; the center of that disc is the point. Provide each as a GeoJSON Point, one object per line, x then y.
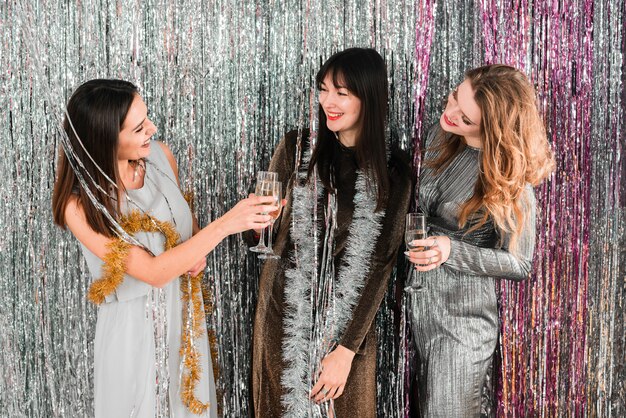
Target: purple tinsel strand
{"type": "Point", "coordinates": [425, 11]}
{"type": "Point", "coordinates": [425, 28]}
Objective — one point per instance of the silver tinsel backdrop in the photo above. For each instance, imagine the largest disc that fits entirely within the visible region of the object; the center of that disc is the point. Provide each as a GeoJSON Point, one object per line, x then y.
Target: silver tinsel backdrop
{"type": "Point", "coordinates": [224, 80]}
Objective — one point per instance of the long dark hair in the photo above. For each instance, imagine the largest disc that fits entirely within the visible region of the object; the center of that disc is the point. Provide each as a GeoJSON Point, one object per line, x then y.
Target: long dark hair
{"type": "Point", "coordinates": [363, 73]}
{"type": "Point", "coordinates": [97, 110]}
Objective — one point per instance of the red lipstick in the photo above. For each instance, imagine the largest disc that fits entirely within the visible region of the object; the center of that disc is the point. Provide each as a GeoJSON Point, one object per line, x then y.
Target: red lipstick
{"type": "Point", "coordinates": [448, 121]}
{"type": "Point", "coordinates": [329, 117]}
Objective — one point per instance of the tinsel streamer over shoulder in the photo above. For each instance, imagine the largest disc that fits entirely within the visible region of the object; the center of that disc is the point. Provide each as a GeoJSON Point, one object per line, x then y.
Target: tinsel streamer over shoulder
{"type": "Point", "coordinates": [298, 325]}
{"type": "Point", "coordinates": [115, 259]}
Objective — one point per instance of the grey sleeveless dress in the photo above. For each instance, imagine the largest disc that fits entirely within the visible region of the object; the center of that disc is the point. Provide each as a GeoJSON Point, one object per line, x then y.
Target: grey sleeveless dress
{"type": "Point", "coordinates": [125, 353]}
{"type": "Point", "coordinates": [453, 308]}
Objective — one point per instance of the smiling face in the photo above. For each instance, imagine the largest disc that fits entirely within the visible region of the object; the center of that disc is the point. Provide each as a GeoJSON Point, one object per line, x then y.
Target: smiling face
{"type": "Point", "coordinates": [462, 115]}
{"type": "Point", "coordinates": [135, 133]}
{"type": "Point", "coordinates": [342, 109]}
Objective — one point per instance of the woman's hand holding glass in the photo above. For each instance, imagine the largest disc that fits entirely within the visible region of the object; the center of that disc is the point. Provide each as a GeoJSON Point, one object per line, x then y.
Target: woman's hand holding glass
{"type": "Point", "coordinates": [283, 202]}
{"type": "Point", "coordinates": [436, 253]}
{"type": "Point", "coordinates": [264, 187]}
{"type": "Point", "coordinates": [249, 213]}
{"type": "Point", "coordinates": [425, 252]}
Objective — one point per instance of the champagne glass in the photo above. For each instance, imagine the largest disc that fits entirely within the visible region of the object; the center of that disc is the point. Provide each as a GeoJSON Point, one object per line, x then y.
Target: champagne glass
{"type": "Point", "coordinates": [277, 194]}
{"type": "Point", "coordinates": [264, 187]}
{"type": "Point", "coordinates": [415, 228]}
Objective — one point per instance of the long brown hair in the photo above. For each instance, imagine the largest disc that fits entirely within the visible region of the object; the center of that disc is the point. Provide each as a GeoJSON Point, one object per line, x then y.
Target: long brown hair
{"type": "Point", "coordinates": [97, 110]}
{"type": "Point", "coordinates": [364, 73]}
{"type": "Point", "coordinates": [515, 150]}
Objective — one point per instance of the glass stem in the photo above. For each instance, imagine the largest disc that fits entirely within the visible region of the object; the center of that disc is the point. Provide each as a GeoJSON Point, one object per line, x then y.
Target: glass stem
{"type": "Point", "coordinates": [262, 238]}
{"type": "Point", "coordinates": [269, 239]}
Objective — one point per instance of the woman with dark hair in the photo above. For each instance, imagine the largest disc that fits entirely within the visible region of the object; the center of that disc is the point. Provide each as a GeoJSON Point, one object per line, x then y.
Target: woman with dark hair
{"type": "Point", "coordinates": [481, 163]}
{"type": "Point", "coordinates": [147, 360]}
{"type": "Point", "coordinates": [349, 196]}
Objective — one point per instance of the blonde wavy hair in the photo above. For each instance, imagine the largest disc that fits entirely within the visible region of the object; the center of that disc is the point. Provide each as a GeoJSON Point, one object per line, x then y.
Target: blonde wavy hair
{"type": "Point", "coordinates": [515, 151]}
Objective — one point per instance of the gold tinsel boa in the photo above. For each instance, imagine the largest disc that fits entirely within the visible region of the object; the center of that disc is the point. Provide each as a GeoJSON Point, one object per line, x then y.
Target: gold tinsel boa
{"type": "Point", "coordinates": [113, 274]}
{"type": "Point", "coordinates": [115, 259]}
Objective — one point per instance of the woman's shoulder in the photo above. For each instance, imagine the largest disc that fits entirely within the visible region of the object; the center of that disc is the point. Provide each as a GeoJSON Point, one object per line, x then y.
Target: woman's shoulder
{"type": "Point", "coordinates": [162, 156]}
{"type": "Point", "coordinates": [160, 152]}
{"type": "Point", "coordinates": [400, 183]}
{"type": "Point", "coordinates": [528, 195]}
{"type": "Point", "coordinates": [163, 147]}
{"type": "Point", "coordinates": [431, 135]}
{"type": "Point", "coordinates": [291, 138]}
{"type": "Point", "coordinates": [287, 145]}
{"type": "Point", "coordinates": [399, 165]}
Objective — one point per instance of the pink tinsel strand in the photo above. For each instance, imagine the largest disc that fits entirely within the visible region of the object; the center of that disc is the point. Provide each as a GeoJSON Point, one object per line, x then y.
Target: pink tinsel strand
{"type": "Point", "coordinates": [425, 27]}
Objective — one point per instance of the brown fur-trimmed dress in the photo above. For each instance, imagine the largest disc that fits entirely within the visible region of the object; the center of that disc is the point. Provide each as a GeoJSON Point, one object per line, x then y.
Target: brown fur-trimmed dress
{"type": "Point", "coordinates": [359, 397]}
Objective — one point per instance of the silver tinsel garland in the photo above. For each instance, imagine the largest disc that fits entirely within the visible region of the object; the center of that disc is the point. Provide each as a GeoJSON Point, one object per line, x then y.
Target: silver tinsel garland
{"type": "Point", "coordinates": [319, 301]}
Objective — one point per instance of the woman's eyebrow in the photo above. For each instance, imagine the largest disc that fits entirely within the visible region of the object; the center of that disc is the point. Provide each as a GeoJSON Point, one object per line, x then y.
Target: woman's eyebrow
{"type": "Point", "coordinates": [454, 94]}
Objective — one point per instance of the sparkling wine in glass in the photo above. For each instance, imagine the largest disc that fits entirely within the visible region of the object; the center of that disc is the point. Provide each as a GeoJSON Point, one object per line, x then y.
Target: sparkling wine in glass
{"type": "Point", "coordinates": [414, 234]}
{"type": "Point", "coordinates": [277, 194]}
{"type": "Point", "coordinates": [264, 187]}
{"type": "Point", "coordinates": [415, 229]}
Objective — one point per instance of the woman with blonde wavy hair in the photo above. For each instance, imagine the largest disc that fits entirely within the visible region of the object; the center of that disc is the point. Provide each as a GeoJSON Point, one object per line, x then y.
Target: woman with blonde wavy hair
{"type": "Point", "coordinates": [481, 163]}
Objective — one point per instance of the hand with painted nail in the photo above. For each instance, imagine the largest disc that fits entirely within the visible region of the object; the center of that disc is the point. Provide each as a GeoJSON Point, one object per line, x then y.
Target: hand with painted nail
{"type": "Point", "coordinates": [434, 252]}
{"type": "Point", "coordinates": [335, 369]}
{"type": "Point", "coordinates": [257, 231]}
{"type": "Point", "coordinates": [198, 267]}
{"type": "Point", "coordinates": [248, 214]}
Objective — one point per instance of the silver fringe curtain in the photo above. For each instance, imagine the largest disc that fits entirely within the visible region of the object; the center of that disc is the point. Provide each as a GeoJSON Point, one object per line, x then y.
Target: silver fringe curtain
{"type": "Point", "coordinates": [223, 81]}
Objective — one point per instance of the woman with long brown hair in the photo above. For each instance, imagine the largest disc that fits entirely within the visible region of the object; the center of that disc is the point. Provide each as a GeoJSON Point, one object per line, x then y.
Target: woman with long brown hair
{"type": "Point", "coordinates": [117, 191]}
{"type": "Point", "coordinates": [481, 163]}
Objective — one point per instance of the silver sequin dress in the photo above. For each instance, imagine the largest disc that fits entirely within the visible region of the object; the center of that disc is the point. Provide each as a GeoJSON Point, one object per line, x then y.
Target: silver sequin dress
{"type": "Point", "coordinates": [453, 308]}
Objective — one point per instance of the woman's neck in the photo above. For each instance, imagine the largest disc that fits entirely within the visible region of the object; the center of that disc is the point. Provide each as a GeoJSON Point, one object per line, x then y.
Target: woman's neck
{"type": "Point", "coordinates": [123, 166]}
{"type": "Point", "coordinates": [131, 173]}
{"type": "Point", "coordinates": [474, 142]}
{"type": "Point", "coordinates": [347, 139]}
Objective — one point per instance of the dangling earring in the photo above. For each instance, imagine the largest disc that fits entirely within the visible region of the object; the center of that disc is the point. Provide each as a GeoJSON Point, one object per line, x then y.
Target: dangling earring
{"type": "Point", "coordinates": [138, 163]}
{"type": "Point", "coordinates": [136, 172]}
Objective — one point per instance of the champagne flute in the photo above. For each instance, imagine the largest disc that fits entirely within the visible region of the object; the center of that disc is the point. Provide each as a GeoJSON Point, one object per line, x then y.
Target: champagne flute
{"type": "Point", "coordinates": [415, 228]}
{"type": "Point", "coordinates": [277, 194]}
{"type": "Point", "coordinates": [264, 186]}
